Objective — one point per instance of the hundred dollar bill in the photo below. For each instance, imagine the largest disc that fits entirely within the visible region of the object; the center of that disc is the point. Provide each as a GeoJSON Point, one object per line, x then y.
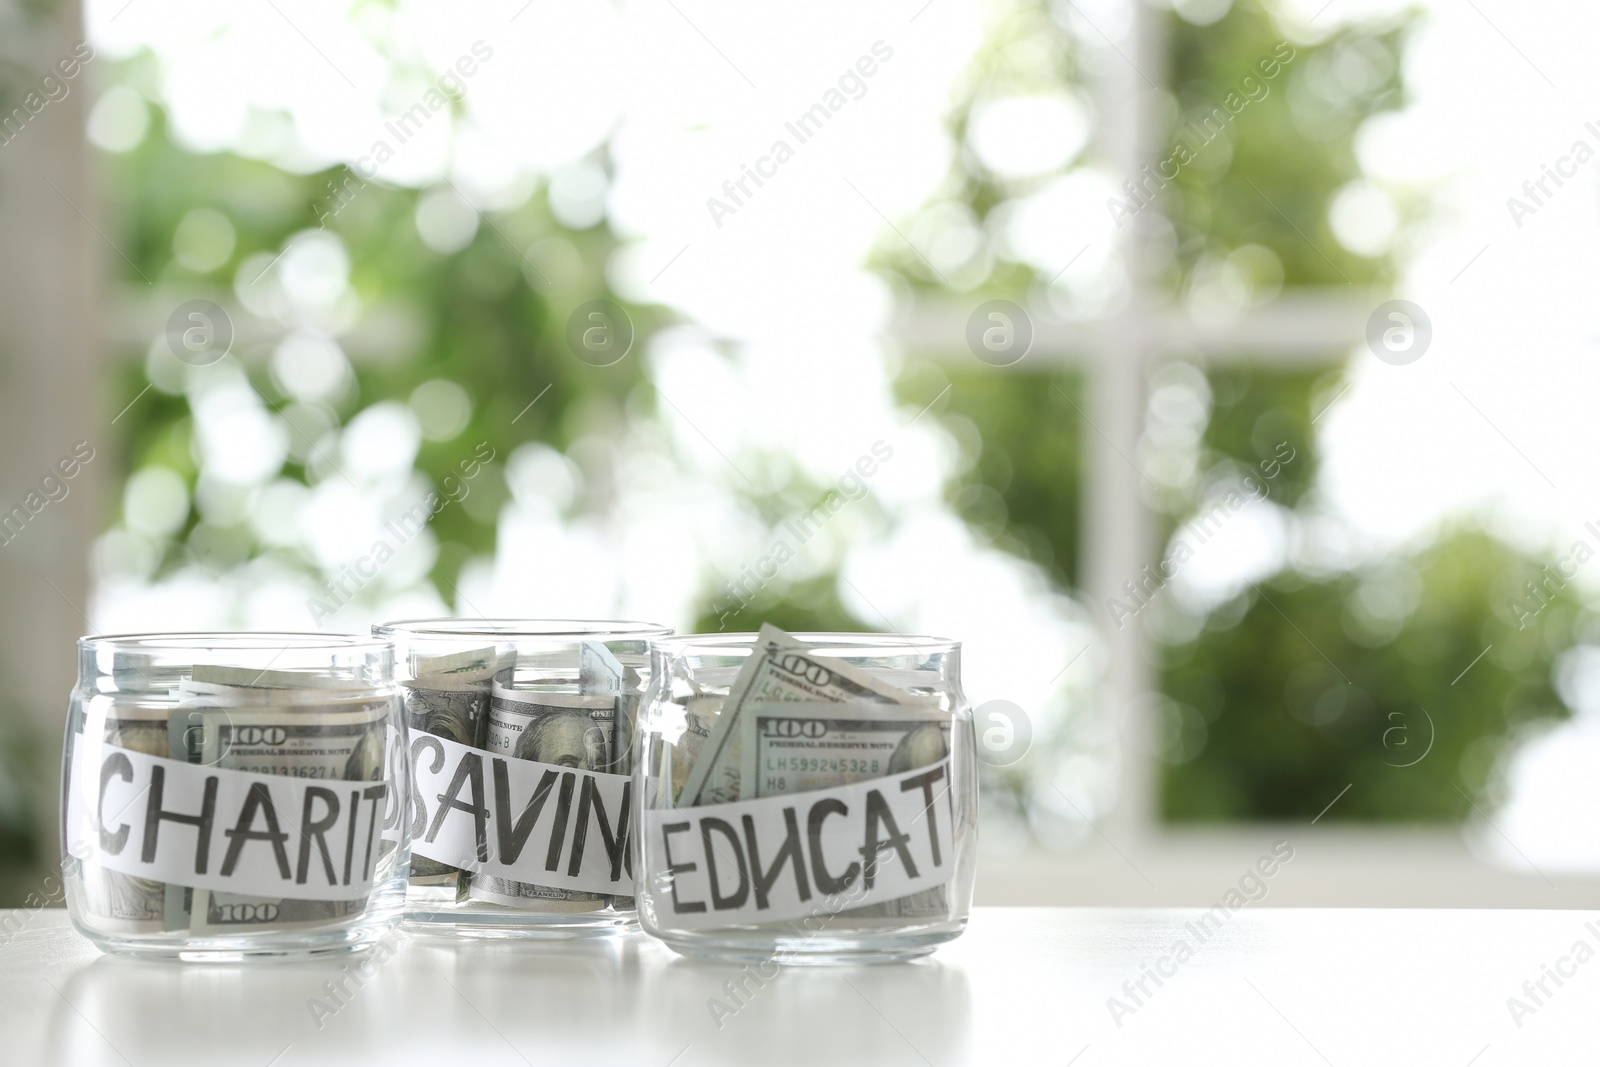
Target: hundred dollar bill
{"type": "Point", "coordinates": [121, 903]}
{"type": "Point", "coordinates": [340, 738]}
{"type": "Point", "coordinates": [249, 678]}
{"type": "Point", "coordinates": [793, 747]}
{"type": "Point", "coordinates": [599, 671]}
{"type": "Point", "coordinates": [800, 747]}
{"type": "Point", "coordinates": [782, 668]}
{"type": "Point", "coordinates": [564, 729]}
{"type": "Point", "coordinates": [700, 718]}
{"type": "Point", "coordinates": [627, 747]}
{"type": "Point", "coordinates": [445, 707]}
{"type": "Point", "coordinates": [448, 696]}
{"type": "Point", "coordinates": [601, 674]}
{"type": "Point", "coordinates": [750, 757]}
{"type": "Point", "coordinates": [473, 663]}
{"type": "Point", "coordinates": [136, 673]}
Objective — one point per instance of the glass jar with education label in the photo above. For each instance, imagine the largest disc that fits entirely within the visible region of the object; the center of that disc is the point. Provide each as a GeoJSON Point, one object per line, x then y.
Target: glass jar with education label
{"type": "Point", "coordinates": [232, 796]}
{"type": "Point", "coordinates": [806, 797]}
{"type": "Point", "coordinates": [521, 748]}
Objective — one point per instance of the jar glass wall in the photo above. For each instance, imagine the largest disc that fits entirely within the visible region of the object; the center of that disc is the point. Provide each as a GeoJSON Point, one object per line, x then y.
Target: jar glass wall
{"type": "Point", "coordinates": [234, 795]}
{"type": "Point", "coordinates": [522, 746]}
{"type": "Point", "coordinates": [806, 797]}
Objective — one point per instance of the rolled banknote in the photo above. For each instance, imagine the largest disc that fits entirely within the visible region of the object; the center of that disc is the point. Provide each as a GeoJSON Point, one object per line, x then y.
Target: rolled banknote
{"type": "Point", "coordinates": [563, 729]}
{"type": "Point", "coordinates": [601, 674]}
{"type": "Point", "coordinates": [337, 735]}
{"type": "Point", "coordinates": [781, 668]}
{"type": "Point", "coordinates": [796, 748]}
{"type": "Point", "coordinates": [795, 721]}
{"type": "Point", "coordinates": [700, 718]}
{"type": "Point", "coordinates": [793, 747]}
{"type": "Point", "coordinates": [448, 696]}
{"type": "Point", "coordinates": [121, 903]}
{"type": "Point", "coordinates": [250, 678]}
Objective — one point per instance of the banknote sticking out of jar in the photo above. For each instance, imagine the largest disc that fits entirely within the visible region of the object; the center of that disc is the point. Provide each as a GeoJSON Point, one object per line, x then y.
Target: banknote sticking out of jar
{"type": "Point", "coordinates": [233, 796]}
{"type": "Point", "coordinates": [806, 798]}
{"type": "Point", "coordinates": [521, 751]}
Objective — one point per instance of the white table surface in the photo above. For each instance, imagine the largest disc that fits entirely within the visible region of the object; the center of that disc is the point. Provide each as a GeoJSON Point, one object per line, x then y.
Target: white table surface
{"type": "Point", "coordinates": [1022, 986]}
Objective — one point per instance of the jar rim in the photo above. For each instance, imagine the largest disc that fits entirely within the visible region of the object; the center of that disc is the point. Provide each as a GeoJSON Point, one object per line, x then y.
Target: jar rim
{"type": "Point", "coordinates": [243, 640]}
{"type": "Point", "coordinates": [576, 629]}
{"type": "Point", "coordinates": [833, 643]}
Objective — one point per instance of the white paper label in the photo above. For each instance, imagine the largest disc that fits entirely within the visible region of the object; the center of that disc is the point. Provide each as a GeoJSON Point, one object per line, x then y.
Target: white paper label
{"type": "Point", "coordinates": [782, 858]}
{"type": "Point", "coordinates": [209, 827]}
{"type": "Point", "coordinates": [530, 822]}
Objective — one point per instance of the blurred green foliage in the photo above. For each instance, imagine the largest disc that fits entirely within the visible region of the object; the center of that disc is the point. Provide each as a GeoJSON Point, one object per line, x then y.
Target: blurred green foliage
{"type": "Point", "coordinates": [1295, 690]}
{"type": "Point", "coordinates": [1255, 412]}
{"type": "Point", "coordinates": [490, 317]}
{"type": "Point", "coordinates": [811, 604]}
{"type": "Point", "coordinates": [1371, 680]}
{"type": "Point", "coordinates": [1024, 490]}
{"type": "Point", "coordinates": [1269, 182]}
{"type": "Point", "coordinates": [1314, 679]}
{"type": "Point", "coordinates": [1272, 704]}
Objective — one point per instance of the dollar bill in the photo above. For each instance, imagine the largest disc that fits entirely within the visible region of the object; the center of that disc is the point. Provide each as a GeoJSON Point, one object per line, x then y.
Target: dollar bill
{"type": "Point", "coordinates": [472, 663]}
{"type": "Point", "coordinates": [700, 718]}
{"type": "Point", "coordinates": [563, 729]}
{"type": "Point", "coordinates": [797, 748]}
{"type": "Point", "coordinates": [448, 696]}
{"type": "Point", "coordinates": [794, 721]}
{"type": "Point", "coordinates": [794, 747]}
{"type": "Point", "coordinates": [134, 673]}
{"type": "Point", "coordinates": [457, 714]}
{"type": "Point", "coordinates": [121, 903]}
{"type": "Point", "coordinates": [781, 668]}
{"type": "Point", "coordinates": [601, 674]}
{"type": "Point", "coordinates": [339, 738]}
{"type": "Point", "coordinates": [447, 708]}
{"type": "Point", "coordinates": [250, 678]}
{"type": "Point", "coordinates": [335, 731]}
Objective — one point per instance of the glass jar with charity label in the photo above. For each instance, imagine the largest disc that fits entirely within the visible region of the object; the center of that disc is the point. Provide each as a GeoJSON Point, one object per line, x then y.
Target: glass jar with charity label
{"type": "Point", "coordinates": [234, 796]}
{"type": "Point", "coordinates": [521, 751]}
{"type": "Point", "coordinates": [806, 798]}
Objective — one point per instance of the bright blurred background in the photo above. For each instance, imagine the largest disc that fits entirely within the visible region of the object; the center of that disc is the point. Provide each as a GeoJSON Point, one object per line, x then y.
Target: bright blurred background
{"type": "Point", "coordinates": [1252, 558]}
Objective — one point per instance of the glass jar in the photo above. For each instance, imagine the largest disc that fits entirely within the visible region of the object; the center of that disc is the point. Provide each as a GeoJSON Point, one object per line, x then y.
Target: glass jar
{"type": "Point", "coordinates": [521, 751]}
{"type": "Point", "coordinates": [234, 795]}
{"type": "Point", "coordinates": [806, 798]}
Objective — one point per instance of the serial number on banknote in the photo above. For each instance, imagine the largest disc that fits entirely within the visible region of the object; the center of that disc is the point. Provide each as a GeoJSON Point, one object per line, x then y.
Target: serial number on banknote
{"type": "Point", "coordinates": [816, 763]}
{"type": "Point", "coordinates": [288, 772]}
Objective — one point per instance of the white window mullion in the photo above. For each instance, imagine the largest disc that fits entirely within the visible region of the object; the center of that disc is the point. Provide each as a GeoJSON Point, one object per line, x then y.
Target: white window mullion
{"type": "Point", "coordinates": [1119, 529]}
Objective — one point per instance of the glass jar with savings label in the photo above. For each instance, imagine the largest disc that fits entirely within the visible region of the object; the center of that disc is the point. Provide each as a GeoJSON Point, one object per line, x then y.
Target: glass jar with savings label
{"type": "Point", "coordinates": [521, 747]}
{"type": "Point", "coordinates": [806, 797]}
{"type": "Point", "coordinates": [234, 795]}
